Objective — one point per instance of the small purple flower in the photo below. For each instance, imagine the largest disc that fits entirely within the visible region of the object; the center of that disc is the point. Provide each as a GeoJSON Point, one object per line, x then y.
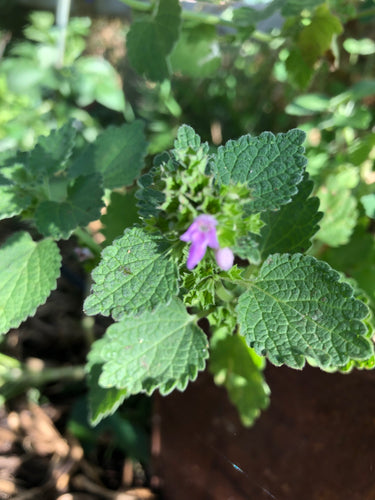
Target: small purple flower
{"type": "Point", "coordinates": [202, 234]}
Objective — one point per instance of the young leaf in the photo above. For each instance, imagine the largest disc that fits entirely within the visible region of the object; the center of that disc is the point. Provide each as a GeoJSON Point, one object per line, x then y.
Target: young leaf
{"type": "Point", "coordinates": [117, 154]}
{"type": "Point", "coordinates": [135, 274]}
{"type": "Point", "coordinates": [290, 228]}
{"type": "Point", "coordinates": [52, 152]}
{"type": "Point", "coordinates": [161, 350]}
{"type": "Point", "coordinates": [272, 166]}
{"type": "Point", "coordinates": [150, 41]}
{"type": "Point", "coordinates": [239, 369]}
{"type": "Point", "coordinates": [297, 308]}
{"type": "Point", "coordinates": [29, 271]}
{"type": "Point", "coordinates": [81, 206]}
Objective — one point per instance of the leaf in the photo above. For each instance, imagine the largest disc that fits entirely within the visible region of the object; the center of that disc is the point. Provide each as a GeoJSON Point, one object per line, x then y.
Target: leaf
{"type": "Point", "coordinates": [136, 273]}
{"type": "Point", "coordinates": [121, 213]}
{"type": "Point", "coordinates": [82, 205]}
{"type": "Point", "coordinates": [95, 79]}
{"type": "Point", "coordinates": [239, 369]}
{"type": "Point", "coordinates": [290, 228]}
{"type": "Point", "coordinates": [28, 271]}
{"type": "Point", "coordinates": [197, 52]}
{"type": "Point", "coordinates": [297, 308]}
{"type": "Point", "coordinates": [13, 200]}
{"type": "Point", "coordinates": [356, 259]}
{"type": "Point", "coordinates": [52, 152]}
{"type": "Point", "coordinates": [312, 42]}
{"type": "Point", "coordinates": [340, 216]}
{"type": "Point", "coordinates": [117, 154]}
{"type": "Point", "coordinates": [102, 402]}
{"type": "Point", "coordinates": [161, 350]}
{"type": "Point", "coordinates": [272, 166]}
{"type": "Point", "coordinates": [150, 41]}
{"type": "Point", "coordinates": [368, 202]}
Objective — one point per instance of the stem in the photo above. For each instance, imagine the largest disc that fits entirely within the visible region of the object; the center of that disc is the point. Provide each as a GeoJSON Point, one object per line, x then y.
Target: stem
{"type": "Point", "coordinates": [16, 383]}
{"type": "Point", "coordinates": [62, 19]}
{"type": "Point", "coordinates": [88, 240]}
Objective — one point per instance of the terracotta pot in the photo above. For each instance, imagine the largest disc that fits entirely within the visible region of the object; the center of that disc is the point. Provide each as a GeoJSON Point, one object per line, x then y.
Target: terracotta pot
{"type": "Point", "coordinates": [315, 442]}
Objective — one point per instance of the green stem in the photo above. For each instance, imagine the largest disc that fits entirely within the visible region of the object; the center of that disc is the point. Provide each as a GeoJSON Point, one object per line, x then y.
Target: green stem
{"type": "Point", "coordinates": [88, 240]}
{"type": "Point", "coordinates": [17, 381]}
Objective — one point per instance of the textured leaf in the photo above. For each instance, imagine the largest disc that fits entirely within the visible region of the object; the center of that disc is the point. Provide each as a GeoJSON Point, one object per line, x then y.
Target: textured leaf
{"type": "Point", "coordinates": [239, 369]}
{"type": "Point", "coordinates": [117, 154]}
{"type": "Point", "coordinates": [272, 166]}
{"type": "Point", "coordinates": [135, 274]}
{"type": "Point", "coordinates": [290, 228]}
{"type": "Point", "coordinates": [82, 205]}
{"type": "Point", "coordinates": [297, 308]}
{"type": "Point", "coordinates": [51, 152]}
{"type": "Point", "coordinates": [28, 271]}
{"type": "Point", "coordinates": [161, 350]}
{"type": "Point", "coordinates": [150, 41]}
{"type": "Point", "coordinates": [121, 213]}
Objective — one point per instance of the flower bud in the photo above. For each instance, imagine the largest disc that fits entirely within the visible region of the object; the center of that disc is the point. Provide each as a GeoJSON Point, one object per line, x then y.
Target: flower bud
{"type": "Point", "coordinates": [224, 258]}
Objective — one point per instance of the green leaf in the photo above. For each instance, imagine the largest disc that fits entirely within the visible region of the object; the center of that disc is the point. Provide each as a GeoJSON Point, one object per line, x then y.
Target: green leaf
{"type": "Point", "coordinates": [82, 205]}
{"type": "Point", "coordinates": [28, 271]}
{"type": "Point", "coordinates": [95, 79]}
{"type": "Point", "coordinates": [136, 273]}
{"type": "Point", "coordinates": [237, 367]}
{"type": "Point", "coordinates": [52, 152]}
{"type": "Point", "coordinates": [117, 154]}
{"type": "Point", "coordinates": [13, 200]}
{"type": "Point", "coordinates": [272, 166]}
{"type": "Point", "coordinates": [150, 41]}
{"type": "Point", "coordinates": [356, 259]}
{"type": "Point", "coordinates": [312, 42]}
{"type": "Point", "coordinates": [102, 402]}
{"type": "Point", "coordinates": [290, 228]}
{"type": "Point", "coordinates": [161, 350]}
{"type": "Point", "coordinates": [297, 308]}
{"type": "Point", "coordinates": [121, 213]}
{"type": "Point", "coordinates": [340, 216]}
{"type": "Point", "coordinates": [197, 52]}
{"type": "Point", "coordinates": [368, 202]}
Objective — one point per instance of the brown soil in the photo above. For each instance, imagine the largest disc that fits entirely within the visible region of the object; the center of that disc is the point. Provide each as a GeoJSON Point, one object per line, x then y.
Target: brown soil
{"type": "Point", "coordinates": [315, 442]}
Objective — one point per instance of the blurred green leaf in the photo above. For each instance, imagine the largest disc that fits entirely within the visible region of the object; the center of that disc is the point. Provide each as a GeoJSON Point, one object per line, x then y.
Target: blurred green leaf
{"type": "Point", "coordinates": [150, 41]}
{"type": "Point", "coordinates": [237, 367]}
{"type": "Point", "coordinates": [197, 52]}
{"type": "Point", "coordinates": [121, 213]}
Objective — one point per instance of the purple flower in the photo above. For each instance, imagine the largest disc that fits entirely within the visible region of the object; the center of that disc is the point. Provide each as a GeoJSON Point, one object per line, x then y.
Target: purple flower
{"type": "Point", "coordinates": [202, 234]}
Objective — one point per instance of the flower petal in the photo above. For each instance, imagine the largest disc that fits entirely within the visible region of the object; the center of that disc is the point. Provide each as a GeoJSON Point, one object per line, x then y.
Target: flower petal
{"type": "Point", "coordinates": [196, 252]}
